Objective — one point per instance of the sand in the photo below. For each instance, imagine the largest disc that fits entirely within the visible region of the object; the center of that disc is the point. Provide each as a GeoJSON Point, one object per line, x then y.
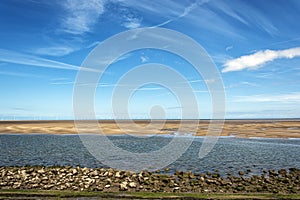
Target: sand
{"type": "Point", "coordinates": [237, 128]}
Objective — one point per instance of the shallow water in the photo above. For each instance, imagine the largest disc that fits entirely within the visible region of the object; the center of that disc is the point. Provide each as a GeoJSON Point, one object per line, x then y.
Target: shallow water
{"type": "Point", "coordinates": [229, 155]}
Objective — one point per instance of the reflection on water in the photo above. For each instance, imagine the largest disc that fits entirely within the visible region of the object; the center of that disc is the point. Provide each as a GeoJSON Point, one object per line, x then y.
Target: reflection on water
{"type": "Point", "coordinates": [229, 155]}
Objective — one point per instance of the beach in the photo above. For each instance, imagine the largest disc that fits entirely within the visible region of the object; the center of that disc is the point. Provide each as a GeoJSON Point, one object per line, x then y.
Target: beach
{"type": "Point", "coordinates": [236, 128]}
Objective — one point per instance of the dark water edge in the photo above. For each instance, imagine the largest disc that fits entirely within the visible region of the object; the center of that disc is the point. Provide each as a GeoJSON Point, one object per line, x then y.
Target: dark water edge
{"type": "Point", "coordinates": [229, 156]}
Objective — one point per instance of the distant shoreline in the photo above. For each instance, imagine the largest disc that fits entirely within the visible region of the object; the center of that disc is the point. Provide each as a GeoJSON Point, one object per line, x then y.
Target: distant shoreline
{"type": "Point", "coordinates": [110, 120]}
{"type": "Point", "coordinates": [240, 128]}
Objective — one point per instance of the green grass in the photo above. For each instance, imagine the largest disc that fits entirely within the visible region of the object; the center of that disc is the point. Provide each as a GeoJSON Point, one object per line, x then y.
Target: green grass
{"type": "Point", "coordinates": [141, 195]}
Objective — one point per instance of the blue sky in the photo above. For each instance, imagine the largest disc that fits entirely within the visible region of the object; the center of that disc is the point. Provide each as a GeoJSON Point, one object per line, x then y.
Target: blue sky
{"type": "Point", "coordinates": [254, 44]}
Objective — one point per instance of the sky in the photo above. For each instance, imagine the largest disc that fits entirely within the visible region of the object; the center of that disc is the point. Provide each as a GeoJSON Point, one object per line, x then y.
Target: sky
{"type": "Point", "coordinates": [255, 46]}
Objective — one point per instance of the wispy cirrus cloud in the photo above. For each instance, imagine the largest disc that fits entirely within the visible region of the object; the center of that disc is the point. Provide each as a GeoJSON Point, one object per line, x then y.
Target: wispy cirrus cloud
{"type": "Point", "coordinates": [109, 59]}
{"type": "Point", "coordinates": [149, 88]}
{"type": "Point", "coordinates": [282, 98]}
{"type": "Point", "coordinates": [81, 15]}
{"type": "Point", "coordinates": [228, 48]}
{"type": "Point", "coordinates": [168, 11]}
{"type": "Point", "coordinates": [26, 59]}
{"type": "Point", "coordinates": [241, 84]}
{"type": "Point", "coordinates": [93, 44]}
{"type": "Point", "coordinates": [195, 14]}
{"type": "Point", "coordinates": [55, 51]}
{"type": "Point", "coordinates": [256, 60]}
{"type": "Point", "coordinates": [247, 15]}
{"type": "Point", "coordinates": [9, 73]}
{"type": "Point", "coordinates": [185, 12]}
{"type": "Point", "coordinates": [144, 59]}
{"type": "Point", "coordinates": [132, 22]}
{"type": "Point", "coordinates": [210, 20]}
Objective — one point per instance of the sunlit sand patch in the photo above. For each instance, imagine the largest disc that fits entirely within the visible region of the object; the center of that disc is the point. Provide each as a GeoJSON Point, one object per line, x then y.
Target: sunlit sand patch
{"type": "Point", "coordinates": [237, 128]}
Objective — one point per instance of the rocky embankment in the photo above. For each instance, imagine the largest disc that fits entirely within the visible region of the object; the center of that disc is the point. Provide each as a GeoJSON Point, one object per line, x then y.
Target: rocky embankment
{"type": "Point", "coordinates": [110, 180]}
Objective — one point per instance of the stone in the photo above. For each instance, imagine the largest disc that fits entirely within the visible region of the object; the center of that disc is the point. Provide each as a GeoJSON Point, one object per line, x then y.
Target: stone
{"type": "Point", "coordinates": [90, 181]}
{"type": "Point", "coordinates": [47, 187]}
{"type": "Point", "coordinates": [41, 171]}
{"type": "Point", "coordinates": [273, 173]}
{"type": "Point", "coordinates": [74, 171]}
{"type": "Point", "coordinates": [282, 172]}
{"type": "Point", "coordinates": [16, 185]}
{"type": "Point", "coordinates": [215, 175]}
{"type": "Point", "coordinates": [110, 174]}
{"type": "Point", "coordinates": [132, 184]}
{"type": "Point", "coordinates": [108, 181]}
{"type": "Point", "coordinates": [94, 173]}
{"type": "Point", "coordinates": [118, 175]}
{"type": "Point", "coordinates": [99, 188]}
{"type": "Point", "coordinates": [123, 186]}
{"type": "Point", "coordinates": [3, 174]}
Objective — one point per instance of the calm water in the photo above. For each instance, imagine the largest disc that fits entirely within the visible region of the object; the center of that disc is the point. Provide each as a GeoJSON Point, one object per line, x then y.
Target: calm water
{"type": "Point", "coordinates": [229, 155]}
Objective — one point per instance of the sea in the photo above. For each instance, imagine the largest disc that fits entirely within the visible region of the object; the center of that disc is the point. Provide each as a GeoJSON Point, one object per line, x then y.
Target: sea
{"type": "Point", "coordinates": [230, 155]}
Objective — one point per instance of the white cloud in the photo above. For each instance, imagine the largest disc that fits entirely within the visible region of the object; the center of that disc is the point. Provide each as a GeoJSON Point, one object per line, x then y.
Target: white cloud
{"type": "Point", "coordinates": [256, 60]}
{"type": "Point", "coordinates": [81, 15]}
{"type": "Point", "coordinates": [282, 98]}
{"type": "Point", "coordinates": [55, 51]}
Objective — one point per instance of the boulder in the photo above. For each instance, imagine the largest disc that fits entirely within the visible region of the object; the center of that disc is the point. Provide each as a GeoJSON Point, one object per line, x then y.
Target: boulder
{"type": "Point", "coordinates": [132, 185]}
{"type": "Point", "coordinates": [123, 186]}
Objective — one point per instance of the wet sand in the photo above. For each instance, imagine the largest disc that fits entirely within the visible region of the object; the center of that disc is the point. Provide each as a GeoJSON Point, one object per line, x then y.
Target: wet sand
{"type": "Point", "coordinates": [237, 128]}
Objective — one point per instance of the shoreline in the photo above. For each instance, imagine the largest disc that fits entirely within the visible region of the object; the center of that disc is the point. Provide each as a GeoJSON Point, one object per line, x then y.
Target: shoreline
{"type": "Point", "coordinates": [157, 135]}
{"type": "Point", "coordinates": [261, 128]}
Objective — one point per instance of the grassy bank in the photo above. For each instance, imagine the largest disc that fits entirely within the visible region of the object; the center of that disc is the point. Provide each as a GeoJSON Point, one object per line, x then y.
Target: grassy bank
{"type": "Point", "coordinates": [138, 195]}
